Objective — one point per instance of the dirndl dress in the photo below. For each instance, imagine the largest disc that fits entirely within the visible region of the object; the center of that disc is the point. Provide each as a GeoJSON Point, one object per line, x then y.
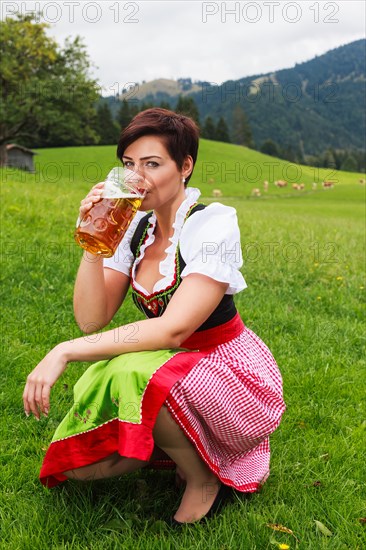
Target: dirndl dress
{"type": "Point", "coordinates": [222, 387]}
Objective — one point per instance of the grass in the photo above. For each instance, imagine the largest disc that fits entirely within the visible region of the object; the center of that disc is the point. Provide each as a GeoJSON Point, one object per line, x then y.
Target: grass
{"type": "Point", "coordinates": [304, 265]}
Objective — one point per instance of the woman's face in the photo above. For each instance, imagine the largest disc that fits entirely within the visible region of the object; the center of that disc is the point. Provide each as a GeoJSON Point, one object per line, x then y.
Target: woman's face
{"type": "Point", "coordinates": [149, 157]}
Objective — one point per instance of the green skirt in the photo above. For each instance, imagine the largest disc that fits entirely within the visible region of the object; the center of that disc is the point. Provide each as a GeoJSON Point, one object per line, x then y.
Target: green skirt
{"type": "Point", "coordinates": [116, 403]}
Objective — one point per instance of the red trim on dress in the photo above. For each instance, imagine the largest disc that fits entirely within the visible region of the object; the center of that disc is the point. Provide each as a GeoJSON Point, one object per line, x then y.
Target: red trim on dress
{"type": "Point", "coordinates": [215, 336]}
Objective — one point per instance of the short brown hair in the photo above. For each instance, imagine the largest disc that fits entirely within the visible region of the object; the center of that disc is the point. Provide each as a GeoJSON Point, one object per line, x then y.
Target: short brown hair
{"type": "Point", "coordinates": [180, 133]}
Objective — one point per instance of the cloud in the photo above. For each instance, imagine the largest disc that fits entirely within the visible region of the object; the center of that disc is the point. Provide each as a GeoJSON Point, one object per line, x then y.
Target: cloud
{"type": "Point", "coordinates": [214, 41]}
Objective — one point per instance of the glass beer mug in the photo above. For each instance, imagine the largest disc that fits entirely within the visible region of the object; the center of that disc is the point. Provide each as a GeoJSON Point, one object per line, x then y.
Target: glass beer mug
{"type": "Point", "coordinates": [102, 228]}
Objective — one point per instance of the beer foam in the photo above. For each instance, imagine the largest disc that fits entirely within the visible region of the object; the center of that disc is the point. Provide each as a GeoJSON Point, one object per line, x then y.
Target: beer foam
{"type": "Point", "coordinates": [119, 195]}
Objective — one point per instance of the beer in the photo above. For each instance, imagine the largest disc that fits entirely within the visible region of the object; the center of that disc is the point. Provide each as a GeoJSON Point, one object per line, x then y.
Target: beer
{"type": "Point", "coordinates": [103, 227]}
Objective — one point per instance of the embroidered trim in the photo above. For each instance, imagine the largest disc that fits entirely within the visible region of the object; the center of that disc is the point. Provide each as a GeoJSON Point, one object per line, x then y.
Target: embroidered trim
{"type": "Point", "coordinates": [143, 237]}
{"type": "Point", "coordinates": [158, 301]}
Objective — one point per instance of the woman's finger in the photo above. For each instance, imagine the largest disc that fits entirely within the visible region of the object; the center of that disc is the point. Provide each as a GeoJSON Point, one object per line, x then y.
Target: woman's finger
{"type": "Point", "coordinates": [31, 399]}
{"type": "Point", "coordinates": [99, 185]}
{"type": "Point", "coordinates": [25, 400]}
{"type": "Point", "coordinates": [46, 399]}
{"type": "Point", "coordinates": [38, 397]}
{"type": "Point", "coordinates": [93, 196]}
{"type": "Point", "coordinates": [95, 191]}
{"type": "Point", "coordinates": [85, 205]}
{"type": "Point", "coordinates": [90, 199]}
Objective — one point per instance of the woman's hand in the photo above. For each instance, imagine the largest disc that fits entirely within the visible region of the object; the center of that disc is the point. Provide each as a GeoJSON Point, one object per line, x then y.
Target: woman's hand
{"type": "Point", "coordinates": [36, 395]}
{"type": "Point", "coordinates": [92, 197]}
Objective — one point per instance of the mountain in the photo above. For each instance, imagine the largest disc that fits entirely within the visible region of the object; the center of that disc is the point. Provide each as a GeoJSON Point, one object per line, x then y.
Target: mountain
{"type": "Point", "coordinates": [313, 106]}
{"type": "Point", "coordinates": [161, 89]}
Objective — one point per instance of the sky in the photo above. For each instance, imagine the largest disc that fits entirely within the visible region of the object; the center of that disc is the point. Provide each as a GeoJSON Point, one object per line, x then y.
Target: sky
{"type": "Point", "coordinates": [132, 41]}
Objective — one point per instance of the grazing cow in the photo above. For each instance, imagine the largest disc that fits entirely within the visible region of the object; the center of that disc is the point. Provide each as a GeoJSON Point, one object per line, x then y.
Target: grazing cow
{"type": "Point", "coordinates": [216, 193]}
{"type": "Point", "coordinates": [265, 185]}
{"type": "Point", "coordinates": [362, 181]}
{"type": "Point", "coordinates": [256, 192]}
{"type": "Point", "coordinates": [315, 185]}
{"type": "Point", "coordinates": [295, 186]}
{"type": "Point", "coordinates": [328, 184]}
{"type": "Point", "coordinates": [280, 183]}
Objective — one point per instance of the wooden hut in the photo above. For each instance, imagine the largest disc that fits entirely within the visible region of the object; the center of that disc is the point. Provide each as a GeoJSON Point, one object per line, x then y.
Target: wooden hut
{"type": "Point", "coordinates": [20, 157]}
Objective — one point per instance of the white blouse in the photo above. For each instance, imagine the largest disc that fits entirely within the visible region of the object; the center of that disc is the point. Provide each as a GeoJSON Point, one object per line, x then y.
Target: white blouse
{"type": "Point", "coordinates": [209, 243]}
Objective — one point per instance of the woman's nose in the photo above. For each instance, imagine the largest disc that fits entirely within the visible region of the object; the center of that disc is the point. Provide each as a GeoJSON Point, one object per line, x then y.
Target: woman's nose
{"type": "Point", "coordinates": [139, 170]}
{"type": "Point", "coordinates": [140, 178]}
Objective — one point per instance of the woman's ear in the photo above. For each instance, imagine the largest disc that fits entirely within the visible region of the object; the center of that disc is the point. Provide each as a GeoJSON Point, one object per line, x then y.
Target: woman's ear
{"type": "Point", "coordinates": [187, 167]}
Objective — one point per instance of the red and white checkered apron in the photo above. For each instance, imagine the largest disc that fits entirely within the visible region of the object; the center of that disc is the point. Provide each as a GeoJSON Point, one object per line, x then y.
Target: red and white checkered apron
{"type": "Point", "coordinates": [228, 404]}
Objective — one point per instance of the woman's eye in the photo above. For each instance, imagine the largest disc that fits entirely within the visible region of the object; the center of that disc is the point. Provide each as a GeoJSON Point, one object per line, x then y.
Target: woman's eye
{"type": "Point", "coordinates": [152, 163]}
{"type": "Point", "coordinates": [127, 163]}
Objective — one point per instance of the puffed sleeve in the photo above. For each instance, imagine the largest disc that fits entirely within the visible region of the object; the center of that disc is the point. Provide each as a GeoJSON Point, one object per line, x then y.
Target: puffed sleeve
{"type": "Point", "coordinates": [123, 257]}
{"type": "Point", "coordinates": [210, 245]}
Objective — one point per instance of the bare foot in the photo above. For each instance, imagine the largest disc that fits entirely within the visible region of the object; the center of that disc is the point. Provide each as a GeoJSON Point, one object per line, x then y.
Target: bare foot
{"type": "Point", "coordinates": [197, 500]}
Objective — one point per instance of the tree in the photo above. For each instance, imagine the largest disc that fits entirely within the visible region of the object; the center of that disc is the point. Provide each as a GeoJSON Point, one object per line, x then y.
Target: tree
{"type": "Point", "coordinates": [187, 106]}
{"type": "Point", "coordinates": [241, 133]}
{"type": "Point", "coordinates": [222, 131]}
{"type": "Point", "coordinates": [165, 105]}
{"type": "Point", "coordinates": [328, 160]}
{"type": "Point", "coordinates": [349, 164]}
{"type": "Point", "coordinates": [209, 130]}
{"type": "Point", "coordinates": [361, 160]}
{"type": "Point", "coordinates": [288, 153]}
{"type": "Point", "coordinates": [105, 126]}
{"type": "Point", "coordinates": [47, 95]}
{"type": "Point", "coordinates": [338, 158]}
{"type": "Point", "coordinates": [124, 114]}
{"type": "Point", "coordinates": [270, 147]}
{"type": "Point", "coordinates": [146, 105]}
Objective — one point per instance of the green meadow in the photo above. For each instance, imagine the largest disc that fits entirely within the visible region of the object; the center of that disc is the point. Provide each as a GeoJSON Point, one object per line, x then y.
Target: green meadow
{"type": "Point", "coordinates": [304, 263]}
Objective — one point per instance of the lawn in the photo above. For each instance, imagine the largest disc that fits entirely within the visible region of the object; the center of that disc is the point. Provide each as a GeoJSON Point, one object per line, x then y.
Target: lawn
{"type": "Point", "coordinates": [304, 262]}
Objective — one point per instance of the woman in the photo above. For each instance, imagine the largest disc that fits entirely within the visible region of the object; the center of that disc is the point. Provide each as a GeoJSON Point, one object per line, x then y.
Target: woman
{"type": "Point", "coordinates": [190, 383]}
